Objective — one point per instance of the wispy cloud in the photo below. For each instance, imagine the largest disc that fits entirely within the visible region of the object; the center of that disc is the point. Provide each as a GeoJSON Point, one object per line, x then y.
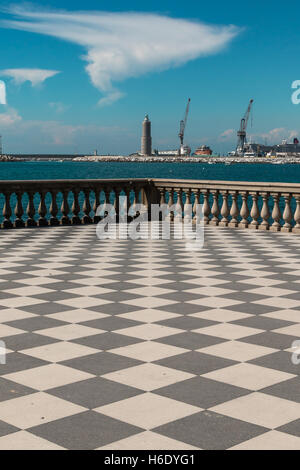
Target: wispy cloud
{"type": "Point", "coordinates": [123, 45]}
{"type": "Point", "coordinates": [34, 76]}
{"type": "Point", "coordinates": [2, 92]}
{"type": "Point", "coordinates": [58, 106]}
{"type": "Point", "coordinates": [275, 136]}
{"type": "Point", "coordinates": [56, 136]}
{"type": "Point", "coordinates": [9, 118]}
{"type": "Point", "coordinates": [227, 135]}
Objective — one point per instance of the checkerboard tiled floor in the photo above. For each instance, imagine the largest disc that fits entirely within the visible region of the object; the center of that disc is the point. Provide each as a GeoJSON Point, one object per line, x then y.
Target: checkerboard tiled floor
{"type": "Point", "coordinates": [144, 345]}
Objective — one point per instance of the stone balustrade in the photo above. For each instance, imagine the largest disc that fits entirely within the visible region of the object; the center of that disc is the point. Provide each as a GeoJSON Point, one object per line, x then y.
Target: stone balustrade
{"type": "Point", "coordinates": [257, 206]}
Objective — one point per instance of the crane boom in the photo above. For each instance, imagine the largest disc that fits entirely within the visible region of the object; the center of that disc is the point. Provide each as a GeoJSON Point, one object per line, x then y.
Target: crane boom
{"type": "Point", "coordinates": [183, 122]}
{"type": "Point", "coordinates": [247, 114]}
{"type": "Point", "coordinates": [242, 131]}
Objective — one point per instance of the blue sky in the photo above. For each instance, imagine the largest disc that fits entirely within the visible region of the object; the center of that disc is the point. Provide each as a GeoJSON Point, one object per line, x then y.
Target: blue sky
{"type": "Point", "coordinates": [114, 72]}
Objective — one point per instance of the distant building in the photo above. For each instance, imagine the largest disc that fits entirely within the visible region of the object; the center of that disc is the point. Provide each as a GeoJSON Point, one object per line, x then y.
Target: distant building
{"type": "Point", "coordinates": [166, 153]}
{"type": "Point", "coordinates": [185, 150]}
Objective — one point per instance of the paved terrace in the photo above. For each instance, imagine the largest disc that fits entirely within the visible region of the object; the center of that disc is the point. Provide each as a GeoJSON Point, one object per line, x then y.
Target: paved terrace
{"type": "Point", "coordinates": [144, 345]}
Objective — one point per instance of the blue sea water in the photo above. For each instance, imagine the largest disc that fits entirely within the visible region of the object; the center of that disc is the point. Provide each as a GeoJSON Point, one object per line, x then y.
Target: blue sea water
{"type": "Point", "coordinates": [204, 171]}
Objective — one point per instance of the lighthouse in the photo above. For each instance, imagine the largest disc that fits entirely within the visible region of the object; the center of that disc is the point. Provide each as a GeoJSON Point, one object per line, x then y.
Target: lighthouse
{"type": "Point", "coordinates": [146, 145]}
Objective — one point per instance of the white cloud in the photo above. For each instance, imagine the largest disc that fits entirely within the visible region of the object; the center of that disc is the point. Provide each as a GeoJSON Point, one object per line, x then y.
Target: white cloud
{"type": "Point", "coordinates": [228, 134]}
{"type": "Point", "coordinates": [9, 118]}
{"type": "Point", "coordinates": [27, 136]}
{"type": "Point", "coordinates": [123, 45]}
{"type": "Point", "coordinates": [58, 106]}
{"type": "Point", "coordinates": [275, 136]}
{"type": "Point", "coordinates": [2, 92]}
{"type": "Point", "coordinates": [35, 76]}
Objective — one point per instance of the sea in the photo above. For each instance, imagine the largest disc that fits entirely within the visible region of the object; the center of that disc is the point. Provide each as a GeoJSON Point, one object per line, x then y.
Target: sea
{"type": "Point", "coordinates": [286, 173]}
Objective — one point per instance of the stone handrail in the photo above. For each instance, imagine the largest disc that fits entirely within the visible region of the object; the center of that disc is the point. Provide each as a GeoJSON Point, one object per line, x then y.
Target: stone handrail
{"type": "Point", "coordinates": [262, 206]}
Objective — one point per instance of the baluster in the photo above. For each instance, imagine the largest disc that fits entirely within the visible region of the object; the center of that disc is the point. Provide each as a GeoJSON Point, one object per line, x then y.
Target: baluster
{"type": "Point", "coordinates": [215, 208]}
{"type": "Point", "coordinates": [188, 210]}
{"type": "Point", "coordinates": [86, 207]}
{"type": "Point", "coordinates": [297, 214]}
{"type": "Point", "coordinates": [106, 204]}
{"type": "Point", "coordinates": [234, 211]}
{"type": "Point", "coordinates": [76, 208]}
{"type": "Point", "coordinates": [30, 211]}
{"type": "Point", "coordinates": [179, 207]}
{"type": "Point", "coordinates": [42, 222]}
{"type": "Point", "coordinates": [276, 213]}
{"type": "Point", "coordinates": [133, 209]}
{"type": "Point", "coordinates": [53, 209]}
{"type": "Point", "coordinates": [19, 211]}
{"type": "Point", "coordinates": [117, 203]}
{"type": "Point", "coordinates": [163, 204]}
{"type": "Point", "coordinates": [126, 206]}
{"type": "Point", "coordinates": [244, 211]}
{"type": "Point", "coordinates": [65, 209]}
{"type": "Point", "coordinates": [170, 213]}
{"type": "Point", "coordinates": [254, 212]}
{"type": "Point", "coordinates": [7, 223]}
{"type": "Point", "coordinates": [162, 192]}
{"type": "Point", "coordinates": [96, 205]}
{"type": "Point", "coordinates": [287, 214]}
{"type": "Point", "coordinates": [196, 206]}
{"type": "Point", "coordinates": [224, 210]}
{"type": "Point", "coordinates": [265, 213]}
{"type": "Point", "coordinates": [206, 207]}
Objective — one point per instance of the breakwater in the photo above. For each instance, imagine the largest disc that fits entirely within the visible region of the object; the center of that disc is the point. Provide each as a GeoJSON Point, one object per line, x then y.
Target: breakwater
{"type": "Point", "coordinates": [211, 160]}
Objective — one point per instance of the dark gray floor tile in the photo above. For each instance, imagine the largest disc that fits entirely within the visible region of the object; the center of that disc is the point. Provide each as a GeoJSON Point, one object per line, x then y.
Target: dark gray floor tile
{"type": "Point", "coordinates": [106, 341]}
{"type": "Point", "coordinates": [9, 389]}
{"type": "Point", "coordinates": [94, 392]}
{"type": "Point", "coordinates": [36, 323]}
{"type": "Point", "coordinates": [186, 323]}
{"type": "Point", "coordinates": [262, 323]}
{"type": "Point", "coordinates": [251, 308]}
{"type": "Point", "coordinates": [195, 362]}
{"type": "Point", "coordinates": [289, 390]}
{"type": "Point", "coordinates": [243, 296]}
{"type": "Point", "coordinates": [118, 296]}
{"type": "Point", "coordinates": [101, 363]}
{"type": "Point", "coordinates": [271, 340]}
{"type": "Point", "coordinates": [111, 323]}
{"type": "Point", "coordinates": [281, 360]}
{"type": "Point", "coordinates": [6, 429]}
{"type": "Point", "coordinates": [46, 309]}
{"type": "Point", "coordinates": [189, 340]}
{"type": "Point", "coordinates": [202, 392]}
{"type": "Point", "coordinates": [115, 308]}
{"type": "Point", "coordinates": [84, 431]}
{"type": "Point", "coordinates": [16, 362]}
{"type": "Point", "coordinates": [56, 296]}
{"type": "Point", "coordinates": [27, 340]}
{"type": "Point", "coordinates": [183, 308]}
{"type": "Point", "coordinates": [180, 296]}
{"type": "Point", "coordinates": [291, 428]}
{"type": "Point", "coordinates": [210, 431]}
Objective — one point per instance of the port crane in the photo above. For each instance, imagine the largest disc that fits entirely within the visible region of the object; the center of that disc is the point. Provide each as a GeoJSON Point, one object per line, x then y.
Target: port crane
{"type": "Point", "coordinates": [183, 125]}
{"type": "Point", "coordinates": [241, 134]}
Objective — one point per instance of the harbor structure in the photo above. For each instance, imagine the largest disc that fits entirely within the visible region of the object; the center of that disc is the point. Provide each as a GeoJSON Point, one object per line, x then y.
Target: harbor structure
{"type": "Point", "coordinates": [203, 150]}
{"type": "Point", "coordinates": [184, 149]}
{"type": "Point", "coordinates": [146, 144]}
{"type": "Point", "coordinates": [242, 132]}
